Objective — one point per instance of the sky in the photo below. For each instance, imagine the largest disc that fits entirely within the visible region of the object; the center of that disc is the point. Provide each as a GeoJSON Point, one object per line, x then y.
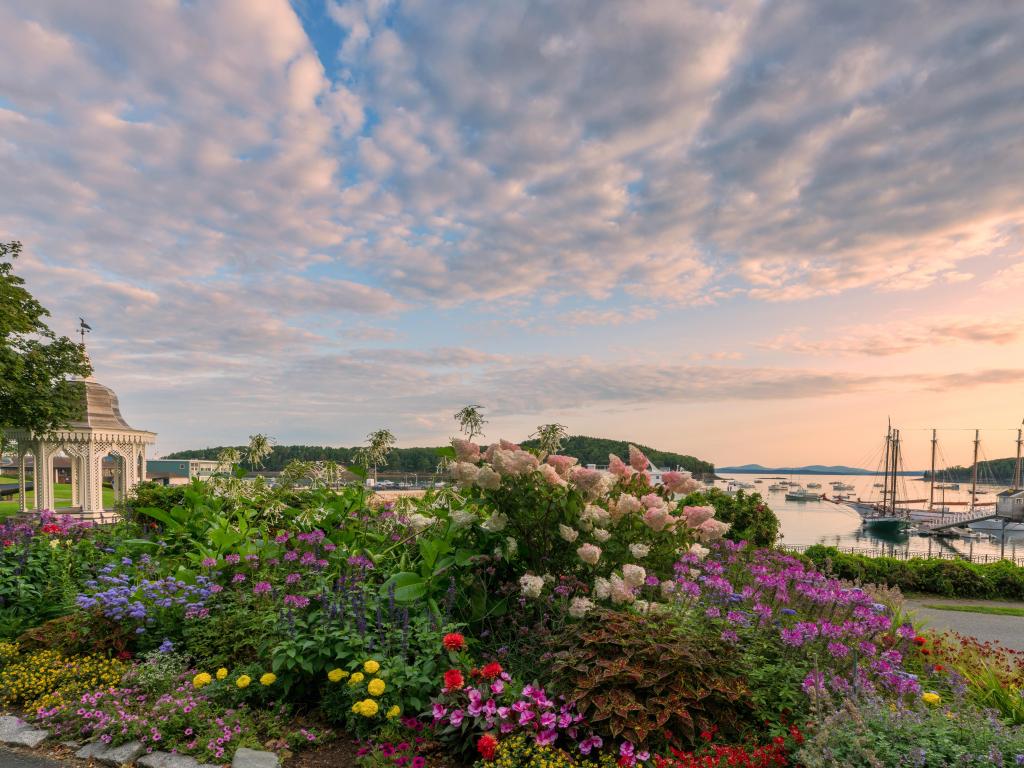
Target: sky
{"type": "Point", "coordinates": [747, 230]}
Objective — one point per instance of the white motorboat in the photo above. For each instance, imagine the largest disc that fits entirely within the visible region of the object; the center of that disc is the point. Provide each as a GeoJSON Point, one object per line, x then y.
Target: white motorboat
{"type": "Point", "coordinates": [796, 493]}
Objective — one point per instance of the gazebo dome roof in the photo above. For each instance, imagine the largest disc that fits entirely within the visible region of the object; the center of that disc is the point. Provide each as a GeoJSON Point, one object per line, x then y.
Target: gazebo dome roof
{"type": "Point", "coordinates": [101, 410]}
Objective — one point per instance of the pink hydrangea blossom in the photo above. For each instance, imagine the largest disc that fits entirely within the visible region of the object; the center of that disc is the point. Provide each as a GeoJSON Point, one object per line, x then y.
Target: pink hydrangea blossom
{"type": "Point", "coordinates": [589, 553]}
{"type": "Point", "coordinates": [618, 467]}
{"type": "Point", "coordinates": [657, 518]}
{"type": "Point", "coordinates": [679, 482]}
{"type": "Point", "coordinates": [711, 530]}
{"type": "Point", "coordinates": [637, 460]}
{"type": "Point", "coordinates": [551, 476]}
{"type": "Point", "coordinates": [466, 450]}
{"type": "Point", "coordinates": [694, 516]}
{"type": "Point", "coordinates": [562, 464]}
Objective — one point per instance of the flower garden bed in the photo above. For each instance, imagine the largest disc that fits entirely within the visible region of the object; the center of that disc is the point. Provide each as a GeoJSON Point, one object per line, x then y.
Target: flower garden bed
{"type": "Point", "coordinates": [534, 614]}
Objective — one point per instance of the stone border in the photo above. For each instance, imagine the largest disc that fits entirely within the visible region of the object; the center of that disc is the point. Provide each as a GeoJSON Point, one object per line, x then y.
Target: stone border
{"type": "Point", "coordinates": [16, 732]}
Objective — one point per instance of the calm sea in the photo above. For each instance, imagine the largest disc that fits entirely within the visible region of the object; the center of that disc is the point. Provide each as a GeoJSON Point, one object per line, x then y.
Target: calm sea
{"type": "Point", "coordinates": [820, 522]}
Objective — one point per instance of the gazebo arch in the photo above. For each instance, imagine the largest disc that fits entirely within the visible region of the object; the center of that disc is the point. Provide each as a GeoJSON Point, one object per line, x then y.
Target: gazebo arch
{"type": "Point", "coordinates": [101, 431]}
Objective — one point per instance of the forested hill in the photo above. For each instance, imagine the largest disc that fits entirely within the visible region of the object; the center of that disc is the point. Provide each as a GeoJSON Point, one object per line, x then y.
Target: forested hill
{"type": "Point", "coordinates": [589, 450]}
{"type": "Point", "coordinates": [996, 470]}
{"type": "Point", "coordinates": [595, 450]}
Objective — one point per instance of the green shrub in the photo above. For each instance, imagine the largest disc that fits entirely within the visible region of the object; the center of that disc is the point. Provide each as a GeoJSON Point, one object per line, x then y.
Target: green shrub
{"type": "Point", "coordinates": [949, 578]}
{"type": "Point", "coordinates": [879, 734]}
{"type": "Point", "coordinates": [750, 518]}
{"type": "Point", "coordinates": [637, 677]}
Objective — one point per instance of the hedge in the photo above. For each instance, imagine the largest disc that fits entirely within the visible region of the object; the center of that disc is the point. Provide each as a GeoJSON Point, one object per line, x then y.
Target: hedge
{"type": "Point", "coordinates": [948, 578]}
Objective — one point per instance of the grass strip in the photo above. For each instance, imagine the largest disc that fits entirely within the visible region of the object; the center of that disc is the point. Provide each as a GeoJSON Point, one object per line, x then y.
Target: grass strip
{"type": "Point", "coordinates": [993, 610]}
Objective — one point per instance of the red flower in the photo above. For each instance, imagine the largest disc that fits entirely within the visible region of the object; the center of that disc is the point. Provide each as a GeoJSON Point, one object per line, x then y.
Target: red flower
{"type": "Point", "coordinates": [453, 680]}
{"type": "Point", "coordinates": [124, 655]}
{"type": "Point", "coordinates": [486, 745]}
{"type": "Point", "coordinates": [938, 668]}
{"type": "Point", "coordinates": [919, 641]}
{"type": "Point", "coordinates": [491, 671]}
{"type": "Point", "coordinates": [453, 641]}
{"type": "Point", "coordinates": [50, 528]}
{"type": "Point", "coordinates": [925, 652]}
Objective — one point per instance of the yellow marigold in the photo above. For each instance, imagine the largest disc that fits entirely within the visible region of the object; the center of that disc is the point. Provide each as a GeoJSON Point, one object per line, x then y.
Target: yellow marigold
{"type": "Point", "coordinates": [243, 681]}
{"type": "Point", "coordinates": [356, 679]}
{"type": "Point", "coordinates": [222, 673]}
{"type": "Point", "coordinates": [931, 698]}
{"type": "Point", "coordinates": [371, 667]}
{"type": "Point", "coordinates": [368, 708]}
{"type": "Point", "coordinates": [376, 687]}
{"type": "Point", "coordinates": [268, 678]}
{"type": "Point", "coordinates": [337, 675]}
{"type": "Point", "coordinates": [394, 712]}
{"type": "Point", "coordinates": [203, 678]}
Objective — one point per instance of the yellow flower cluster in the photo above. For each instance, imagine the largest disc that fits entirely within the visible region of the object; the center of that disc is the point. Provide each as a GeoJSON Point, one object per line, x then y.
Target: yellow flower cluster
{"type": "Point", "coordinates": [203, 678]}
{"type": "Point", "coordinates": [8, 651]}
{"type": "Point", "coordinates": [931, 698]}
{"type": "Point", "coordinates": [242, 681]}
{"type": "Point", "coordinates": [48, 679]}
{"type": "Point", "coordinates": [366, 707]}
{"type": "Point", "coordinates": [375, 687]}
{"type": "Point", "coordinates": [522, 752]}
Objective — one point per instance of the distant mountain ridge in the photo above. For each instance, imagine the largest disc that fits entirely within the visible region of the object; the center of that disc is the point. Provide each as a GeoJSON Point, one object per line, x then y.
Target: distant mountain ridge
{"type": "Point", "coordinates": [810, 469]}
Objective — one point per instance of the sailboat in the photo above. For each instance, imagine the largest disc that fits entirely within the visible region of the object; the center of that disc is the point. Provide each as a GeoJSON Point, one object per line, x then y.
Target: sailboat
{"type": "Point", "coordinates": [944, 512]}
{"type": "Point", "coordinates": [886, 515]}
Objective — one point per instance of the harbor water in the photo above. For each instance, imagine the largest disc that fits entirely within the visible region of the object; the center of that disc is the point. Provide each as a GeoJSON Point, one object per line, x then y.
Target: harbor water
{"type": "Point", "coordinates": [804, 523]}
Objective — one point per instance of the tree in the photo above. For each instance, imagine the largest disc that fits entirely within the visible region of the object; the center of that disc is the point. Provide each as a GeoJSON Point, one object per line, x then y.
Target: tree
{"type": "Point", "coordinates": [35, 363]}
{"type": "Point", "coordinates": [375, 452]}
{"type": "Point", "coordinates": [471, 421]}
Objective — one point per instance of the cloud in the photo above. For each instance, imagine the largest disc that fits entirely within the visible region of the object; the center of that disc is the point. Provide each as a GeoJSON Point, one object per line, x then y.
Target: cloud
{"type": "Point", "coordinates": [885, 339]}
{"type": "Point", "coordinates": [608, 316]}
{"type": "Point", "coordinates": [243, 198]}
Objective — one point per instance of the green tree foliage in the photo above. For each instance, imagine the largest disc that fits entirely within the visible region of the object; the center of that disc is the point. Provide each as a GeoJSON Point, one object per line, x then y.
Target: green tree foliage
{"type": "Point", "coordinates": [750, 518]}
{"type": "Point", "coordinates": [589, 450]}
{"type": "Point", "coordinates": [35, 363]}
{"type": "Point", "coordinates": [996, 470]}
{"type": "Point", "coordinates": [595, 450]}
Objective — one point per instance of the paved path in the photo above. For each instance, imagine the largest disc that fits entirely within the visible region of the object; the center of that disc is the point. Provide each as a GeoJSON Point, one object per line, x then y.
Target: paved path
{"type": "Point", "coordinates": [9, 759]}
{"type": "Point", "coordinates": [1006, 630]}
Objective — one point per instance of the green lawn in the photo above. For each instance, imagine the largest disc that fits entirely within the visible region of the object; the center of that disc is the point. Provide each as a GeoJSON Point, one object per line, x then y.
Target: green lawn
{"type": "Point", "coordinates": [61, 492]}
{"type": "Point", "coordinates": [995, 610]}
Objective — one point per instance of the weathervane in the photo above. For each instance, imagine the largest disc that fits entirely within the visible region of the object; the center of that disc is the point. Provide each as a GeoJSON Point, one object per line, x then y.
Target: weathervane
{"type": "Point", "coordinates": [83, 328]}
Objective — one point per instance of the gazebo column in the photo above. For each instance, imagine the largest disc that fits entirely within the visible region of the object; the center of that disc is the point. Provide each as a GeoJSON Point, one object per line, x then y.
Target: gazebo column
{"type": "Point", "coordinates": [22, 495]}
{"type": "Point", "coordinates": [76, 500]}
{"type": "Point", "coordinates": [42, 482]}
{"type": "Point", "coordinates": [96, 479]}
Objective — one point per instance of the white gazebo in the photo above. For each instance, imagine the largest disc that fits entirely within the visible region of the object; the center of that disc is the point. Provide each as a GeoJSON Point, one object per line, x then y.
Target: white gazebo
{"type": "Point", "coordinates": [101, 432]}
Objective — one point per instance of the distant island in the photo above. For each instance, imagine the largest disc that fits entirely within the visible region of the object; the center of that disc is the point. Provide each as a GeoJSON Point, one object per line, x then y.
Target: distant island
{"type": "Point", "coordinates": [589, 450]}
{"type": "Point", "coordinates": [810, 469]}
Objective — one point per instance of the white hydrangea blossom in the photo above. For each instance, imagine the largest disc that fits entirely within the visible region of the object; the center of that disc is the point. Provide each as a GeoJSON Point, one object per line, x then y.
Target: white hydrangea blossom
{"type": "Point", "coordinates": [580, 606]}
{"type": "Point", "coordinates": [601, 534]}
{"type": "Point", "coordinates": [633, 575]}
{"type": "Point", "coordinates": [602, 588]}
{"type": "Point", "coordinates": [531, 586]}
{"type": "Point", "coordinates": [639, 550]}
{"type": "Point", "coordinates": [495, 523]}
{"type": "Point", "coordinates": [567, 533]}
